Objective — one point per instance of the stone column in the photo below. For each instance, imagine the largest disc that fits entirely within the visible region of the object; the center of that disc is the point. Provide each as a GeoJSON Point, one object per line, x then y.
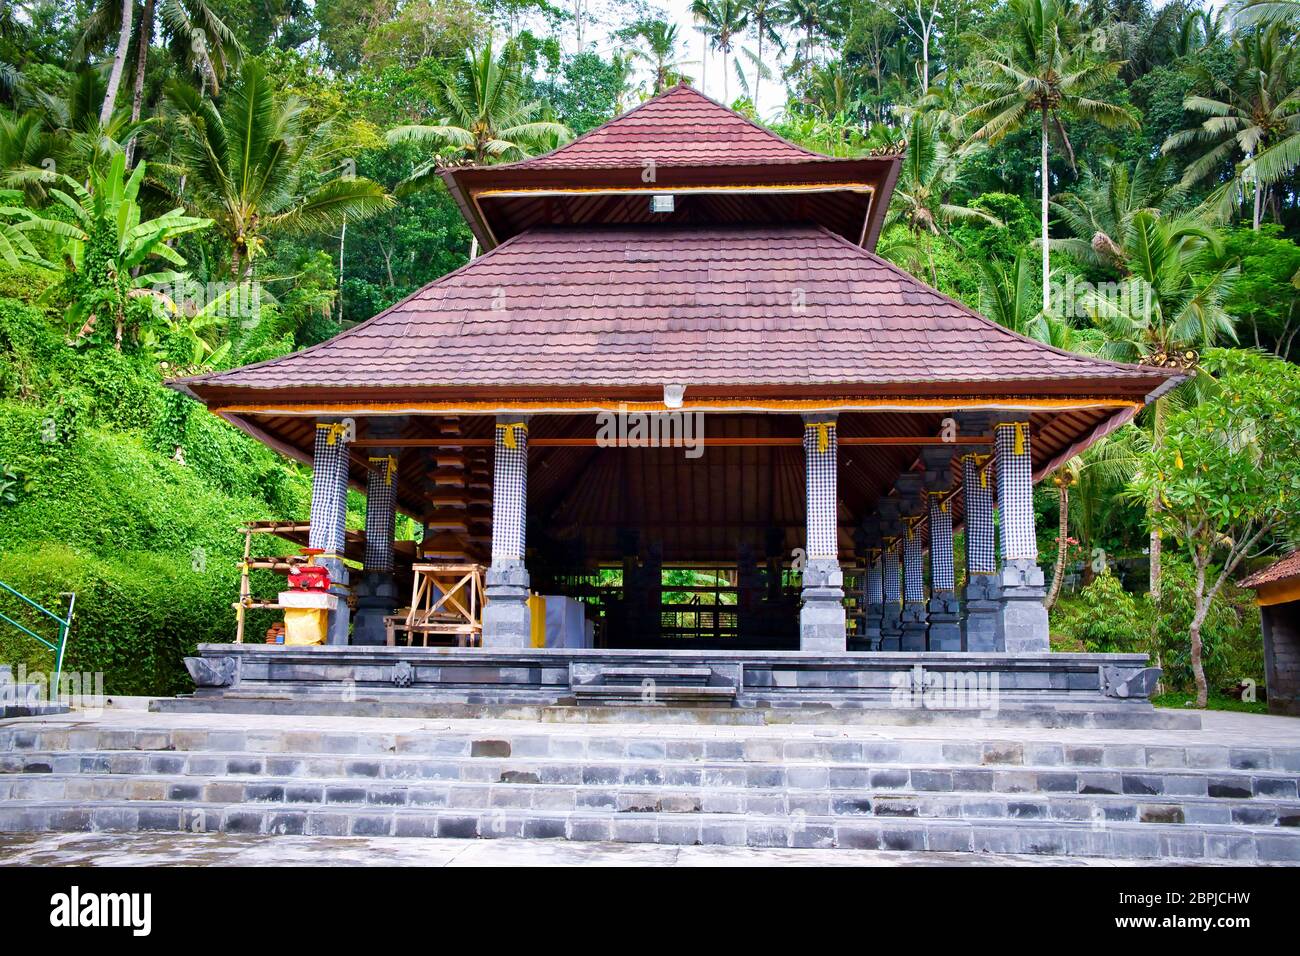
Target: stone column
{"type": "Point", "coordinates": [914, 620]}
{"type": "Point", "coordinates": [1020, 582]}
{"type": "Point", "coordinates": [875, 597]}
{"type": "Point", "coordinates": [891, 625]}
{"type": "Point", "coordinates": [945, 608]}
{"type": "Point", "coordinates": [329, 502]}
{"type": "Point", "coordinates": [979, 626]}
{"type": "Point", "coordinates": [915, 623]}
{"type": "Point", "coordinates": [821, 618]}
{"type": "Point", "coordinates": [376, 589]}
{"type": "Point", "coordinates": [506, 619]}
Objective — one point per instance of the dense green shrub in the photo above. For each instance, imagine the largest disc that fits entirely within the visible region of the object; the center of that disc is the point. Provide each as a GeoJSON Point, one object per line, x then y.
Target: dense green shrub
{"type": "Point", "coordinates": [137, 613]}
{"type": "Point", "coordinates": [1103, 617]}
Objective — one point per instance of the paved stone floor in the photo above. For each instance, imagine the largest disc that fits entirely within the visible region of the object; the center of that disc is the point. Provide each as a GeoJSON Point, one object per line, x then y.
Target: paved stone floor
{"type": "Point", "coordinates": [1219, 727]}
{"type": "Point", "coordinates": [202, 849]}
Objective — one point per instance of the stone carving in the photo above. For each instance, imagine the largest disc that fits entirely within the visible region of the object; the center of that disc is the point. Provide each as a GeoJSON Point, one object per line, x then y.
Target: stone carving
{"type": "Point", "coordinates": [213, 672]}
{"type": "Point", "coordinates": [403, 674]}
{"type": "Point", "coordinates": [1122, 682]}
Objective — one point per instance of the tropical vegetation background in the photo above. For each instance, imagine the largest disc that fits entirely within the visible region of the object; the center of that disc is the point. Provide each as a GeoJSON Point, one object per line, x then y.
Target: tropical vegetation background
{"type": "Point", "coordinates": [193, 184]}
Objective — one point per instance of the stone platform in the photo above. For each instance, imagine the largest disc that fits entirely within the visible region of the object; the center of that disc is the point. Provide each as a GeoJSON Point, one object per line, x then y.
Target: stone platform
{"type": "Point", "coordinates": [1053, 689]}
{"type": "Point", "coordinates": [1227, 791]}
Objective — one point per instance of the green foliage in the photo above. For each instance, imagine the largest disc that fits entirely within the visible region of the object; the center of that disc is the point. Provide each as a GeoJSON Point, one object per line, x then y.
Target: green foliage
{"type": "Point", "coordinates": [137, 614]}
{"type": "Point", "coordinates": [1104, 617]}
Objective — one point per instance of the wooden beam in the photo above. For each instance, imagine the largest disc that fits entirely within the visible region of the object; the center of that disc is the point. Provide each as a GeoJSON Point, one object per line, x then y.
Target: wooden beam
{"type": "Point", "coordinates": [764, 441]}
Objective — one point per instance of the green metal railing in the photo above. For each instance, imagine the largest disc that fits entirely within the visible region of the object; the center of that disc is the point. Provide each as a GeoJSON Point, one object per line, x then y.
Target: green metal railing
{"type": "Point", "coordinates": [64, 623]}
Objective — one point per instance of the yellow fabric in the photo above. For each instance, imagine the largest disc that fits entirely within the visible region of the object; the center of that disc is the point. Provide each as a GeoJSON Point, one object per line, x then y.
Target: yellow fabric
{"type": "Point", "coordinates": [823, 435]}
{"type": "Point", "coordinates": [537, 622]}
{"type": "Point", "coordinates": [392, 467]}
{"type": "Point", "coordinates": [336, 431]}
{"type": "Point", "coordinates": [305, 625]}
{"type": "Point", "coordinates": [511, 434]}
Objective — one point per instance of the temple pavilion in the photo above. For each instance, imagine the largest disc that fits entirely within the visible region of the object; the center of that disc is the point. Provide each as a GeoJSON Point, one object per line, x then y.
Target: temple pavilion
{"type": "Point", "coordinates": [819, 420]}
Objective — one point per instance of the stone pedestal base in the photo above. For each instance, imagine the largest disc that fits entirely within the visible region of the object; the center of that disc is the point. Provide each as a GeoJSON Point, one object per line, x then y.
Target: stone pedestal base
{"type": "Point", "coordinates": [1024, 627]}
{"type": "Point", "coordinates": [872, 633]}
{"type": "Point", "coordinates": [821, 618]}
{"type": "Point", "coordinates": [945, 622]}
{"type": "Point", "coordinates": [983, 618]}
{"type": "Point", "coordinates": [376, 593]}
{"type": "Point", "coordinates": [914, 626]}
{"type": "Point", "coordinates": [507, 621]}
{"type": "Point", "coordinates": [891, 628]}
{"type": "Point", "coordinates": [339, 620]}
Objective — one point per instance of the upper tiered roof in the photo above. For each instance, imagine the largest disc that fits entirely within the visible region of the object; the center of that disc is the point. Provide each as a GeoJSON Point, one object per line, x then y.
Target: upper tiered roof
{"type": "Point", "coordinates": [720, 167]}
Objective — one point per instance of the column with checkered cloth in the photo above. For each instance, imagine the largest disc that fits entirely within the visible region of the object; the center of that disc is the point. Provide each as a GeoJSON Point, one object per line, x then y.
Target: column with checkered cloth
{"type": "Point", "coordinates": [506, 619]}
{"type": "Point", "coordinates": [945, 608]}
{"type": "Point", "coordinates": [1021, 588]}
{"type": "Point", "coordinates": [873, 584]}
{"type": "Point", "coordinates": [981, 611]}
{"type": "Point", "coordinates": [891, 625]}
{"type": "Point", "coordinates": [329, 496]}
{"type": "Point", "coordinates": [376, 588]}
{"type": "Point", "coordinates": [915, 621]}
{"type": "Point", "coordinates": [821, 616]}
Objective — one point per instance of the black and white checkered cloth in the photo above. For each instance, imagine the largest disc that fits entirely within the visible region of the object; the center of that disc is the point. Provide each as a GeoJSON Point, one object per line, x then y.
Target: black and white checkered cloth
{"type": "Point", "coordinates": [890, 573]}
{"type": "Point", "coordinates": [510, 493]}
{"type": "Point", "coordinates": [875, 581]}
{"type": "Point", "coordinates": [913, 563]}
{"type": "Point", "coordinates": [381, 513]}
{"type": "Point", "coordinates": [1015, 491]}
{"type": "Point", "coordinates": [329, 489]}
{"type": "Point", "coordinates": [823, 519]}
{"type": "Point", "coordinates": [942, 572]}
{"type": "Point", "coordinates": [981, 557]}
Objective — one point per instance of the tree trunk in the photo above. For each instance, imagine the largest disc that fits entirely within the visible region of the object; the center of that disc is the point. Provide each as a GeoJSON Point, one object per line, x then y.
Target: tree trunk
{"type": "Point", "coordinates": [141, 64]}
{"type": "Point", "coordinates": [1259, 205]}
{"type": "Point", "coordinates": [1153, 546]}
{"type": "Point", "coordinates": [119, 62]}
{"type": "Point", "coordinates": [1047, 263]}
{"type": "Point", "coordinates": [1194, 632]}
{"type": "Point", "coordinates": [343, 238]}
{"type": "Point", "coordinates": [758, 73]}
{"type": "Point", "coordinates": [1063, 498]}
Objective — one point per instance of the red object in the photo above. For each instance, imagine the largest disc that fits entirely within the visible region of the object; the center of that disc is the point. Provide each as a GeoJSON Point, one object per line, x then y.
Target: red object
{"type": "Point", "coordinates": [309, 576]}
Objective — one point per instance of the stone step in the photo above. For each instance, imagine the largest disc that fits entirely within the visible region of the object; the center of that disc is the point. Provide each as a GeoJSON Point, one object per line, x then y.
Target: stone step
{"type": "Point", "coordinates": [1118, 840]}
{"type": "Point", "coordinates": [797, 775]}
{"type": "Point", "coordinates": [526, 792]}
{"type": "Point", "coordinates": [664, 695]}
{"type": "Point", "coordinates": [663, 744]}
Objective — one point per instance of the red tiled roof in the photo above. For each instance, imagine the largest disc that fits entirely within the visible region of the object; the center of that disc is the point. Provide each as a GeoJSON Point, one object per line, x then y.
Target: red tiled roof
{"type": "Point", "coordinates": [584, 308]}
{"type": "Point", "coordinates": [680, 127]}
{"type": "Point", "coordinates": [1288, 567]}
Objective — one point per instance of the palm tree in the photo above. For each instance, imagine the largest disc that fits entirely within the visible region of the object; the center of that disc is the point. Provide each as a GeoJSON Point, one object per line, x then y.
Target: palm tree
{"type": "Point", "coordinates": [1173, 309]}
{"type": "Point", "coordinates": [765, 18]}
{"type": "Point", "coordinates": [1065, 476]}
{"type": "Point", "coordinates": [1009, 296]}
{"type": "Point", "coordinates": [125, 15]}
{"type": "Point", "coordinates": [1040, 72]}
{"type": "Point", "coordinates": [249, 166]}
{"type": "Point", "coordinates": [1100, 211]}
{"type": "Point", "coordinates": [721, 21]}
{"type": "Point", "coordinates": [661, 40]}
{"type": "Point", "coordinates": [1256, 116]}
{"type": "Point", "coordinates": [930, 172]}
{"type": "Point", "coordinates": [482, 116]}
{"type": "Point", "coordinates": [25, 149]}
{"type": "Point", "coordinates": [804, 16]}
{"type": "Point", "coordinates": [198, 37]}
{"type": "Point", "coordinates": [1267, 11]}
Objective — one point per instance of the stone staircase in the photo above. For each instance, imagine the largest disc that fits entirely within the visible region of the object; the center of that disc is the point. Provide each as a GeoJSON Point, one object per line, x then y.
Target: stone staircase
{"type": "Point", "coordinates": [25, 699]}
{"type": "Point", "coordinates": [992, 790]}
{"type": "Point", "coordinates": [645, 685]}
